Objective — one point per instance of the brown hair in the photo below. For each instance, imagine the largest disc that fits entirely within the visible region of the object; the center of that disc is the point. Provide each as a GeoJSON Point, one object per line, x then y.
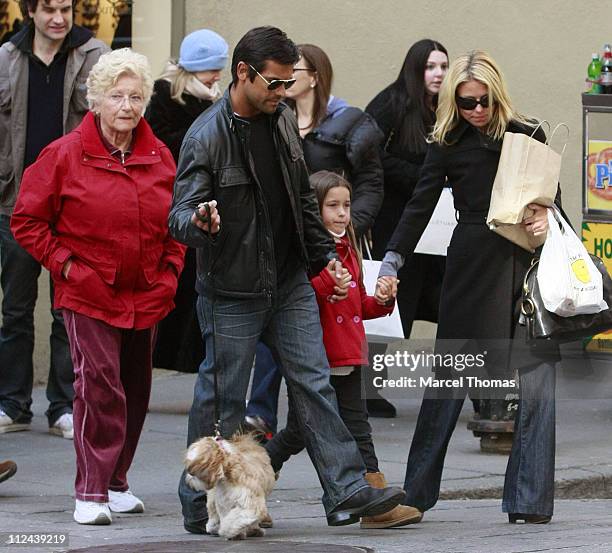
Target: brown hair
{"type": "Point", "coordinates": [28, 6]}
{"type": "Point", "coordinates": [321, 183]}
{"type": "Point", "coordinates": [317, 60]}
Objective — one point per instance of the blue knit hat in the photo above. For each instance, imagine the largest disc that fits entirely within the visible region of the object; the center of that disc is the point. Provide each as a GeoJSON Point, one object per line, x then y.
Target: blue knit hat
{"type": "Point", "coordinates": [203, 50]}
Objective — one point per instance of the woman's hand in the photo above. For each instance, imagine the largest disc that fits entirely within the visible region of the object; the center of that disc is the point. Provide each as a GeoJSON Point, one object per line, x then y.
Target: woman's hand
{"type": "Point", "coordinates": [537, 222]}
{"type": "Point", "coordinates": [386, 289]}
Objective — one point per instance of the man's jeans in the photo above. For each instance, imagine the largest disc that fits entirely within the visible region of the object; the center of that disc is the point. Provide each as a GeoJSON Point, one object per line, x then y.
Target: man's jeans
{"type": "Point", "coordinates": [19, 279]}
{"type": "Point", "coordinates": [288, 323]}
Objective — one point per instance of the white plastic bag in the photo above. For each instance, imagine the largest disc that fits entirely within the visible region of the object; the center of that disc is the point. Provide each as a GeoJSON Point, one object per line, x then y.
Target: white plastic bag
{"type": "Point", "coordinates": [437, 235]}
{"type": "Point", "coordinates": [569, 282]}
{"type": "Point", "coordinates": [383, 329]}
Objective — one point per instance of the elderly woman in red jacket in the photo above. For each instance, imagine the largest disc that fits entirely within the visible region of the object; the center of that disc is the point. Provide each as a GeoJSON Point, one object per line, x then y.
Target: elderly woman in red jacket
{"type": "Point", "coordinates": [93, 210]}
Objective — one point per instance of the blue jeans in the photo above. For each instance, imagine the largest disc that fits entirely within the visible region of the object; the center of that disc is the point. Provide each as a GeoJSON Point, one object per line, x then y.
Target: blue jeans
{"type": "Point", "coordinates": [265, 388]}
{"type": "Point", "coordinates": [529, 485]}
{"type": "Point", "coordinates": [530, 476]}
{"type": "Point", "coordinates": [19, 279]}
{"type": "Point", "coordinates": [288, 322]}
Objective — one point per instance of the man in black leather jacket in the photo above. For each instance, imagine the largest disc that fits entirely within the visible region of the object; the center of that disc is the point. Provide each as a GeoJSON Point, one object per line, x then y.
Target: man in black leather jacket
{"type": "Point", "coordinates": [243, 159]}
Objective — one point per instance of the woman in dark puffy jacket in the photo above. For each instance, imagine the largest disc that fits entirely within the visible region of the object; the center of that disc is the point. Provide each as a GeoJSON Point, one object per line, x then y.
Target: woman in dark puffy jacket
{"type": "Point", "coordinates": [405, 112]}
{"type": "Point", "coordinates": [185, 90]}
{"type": "Point", "coordinates": [335, 137]}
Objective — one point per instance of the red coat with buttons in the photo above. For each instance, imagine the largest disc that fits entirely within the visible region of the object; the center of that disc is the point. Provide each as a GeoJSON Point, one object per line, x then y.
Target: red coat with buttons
{"type": "Point", "coordinates": [343, 332]}
{"type": "Point", "coordinates": [110, 219]}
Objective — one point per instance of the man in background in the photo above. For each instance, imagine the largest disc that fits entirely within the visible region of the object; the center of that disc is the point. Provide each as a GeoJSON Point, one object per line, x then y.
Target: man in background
{"type": "Point", "coordinates": [43, 70]}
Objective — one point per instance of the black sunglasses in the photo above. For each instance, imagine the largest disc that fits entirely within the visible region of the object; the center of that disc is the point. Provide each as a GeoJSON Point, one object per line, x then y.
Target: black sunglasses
{"type": "Point", "coordinates": [275, 83]}
{"type": "Point", "coordinates": [471, 103]}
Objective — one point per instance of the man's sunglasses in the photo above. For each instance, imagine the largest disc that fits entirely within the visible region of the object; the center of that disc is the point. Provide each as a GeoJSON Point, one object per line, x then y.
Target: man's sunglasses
{"type": "Point", "coordinates": [275, 83]}
{"type": "Point", "coordinates": [471, 103]}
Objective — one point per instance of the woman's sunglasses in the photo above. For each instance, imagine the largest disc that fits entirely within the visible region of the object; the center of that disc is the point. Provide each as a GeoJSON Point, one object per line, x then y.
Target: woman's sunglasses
{"type": "Point", "coordinates": [471, 103]}
{"type": "Point", "coordinates": [275, 83]}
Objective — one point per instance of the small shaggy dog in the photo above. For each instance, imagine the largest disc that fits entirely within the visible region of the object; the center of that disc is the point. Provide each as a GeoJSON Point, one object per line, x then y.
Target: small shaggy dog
{"type": "Point", "coordinates": [237, 476]}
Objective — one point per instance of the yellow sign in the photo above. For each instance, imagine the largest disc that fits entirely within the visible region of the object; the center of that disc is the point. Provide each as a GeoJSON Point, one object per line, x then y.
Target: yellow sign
{"type": "Point", "coordinates": [599, 175]}
{"type": "Point", "coordinates": [597, 239]}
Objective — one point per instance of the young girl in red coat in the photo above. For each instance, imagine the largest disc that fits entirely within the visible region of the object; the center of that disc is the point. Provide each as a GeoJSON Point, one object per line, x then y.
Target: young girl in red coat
{"type": "Point", "coordinates": [345, 343]}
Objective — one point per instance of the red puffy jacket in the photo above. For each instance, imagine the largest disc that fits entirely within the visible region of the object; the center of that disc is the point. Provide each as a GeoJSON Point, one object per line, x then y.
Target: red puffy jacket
{"type": "Point", "coordinates": [78, 202]}
{"type": "Point", "coordinates": [342, 322]}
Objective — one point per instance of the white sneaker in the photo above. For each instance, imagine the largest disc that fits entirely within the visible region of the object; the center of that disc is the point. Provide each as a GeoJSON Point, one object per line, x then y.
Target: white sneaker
{"type": "Point", "coordinates": [124, 502]}
{"type": "Point", "coordinates": [8, 425]}
{"type": "Point", "coordinates": [89, 512]}
{"type": "Point", "coordinates": [63, 427]}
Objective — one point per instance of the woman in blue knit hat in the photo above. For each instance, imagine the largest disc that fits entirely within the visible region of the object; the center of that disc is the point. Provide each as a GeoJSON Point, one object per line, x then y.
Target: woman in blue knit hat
{"type": "Point", "coordinates": [184, 91]}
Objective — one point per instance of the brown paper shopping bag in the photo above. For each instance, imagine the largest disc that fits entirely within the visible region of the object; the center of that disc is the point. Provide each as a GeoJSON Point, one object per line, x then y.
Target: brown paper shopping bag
{"type": "Point", "coordinates": [528, 172]}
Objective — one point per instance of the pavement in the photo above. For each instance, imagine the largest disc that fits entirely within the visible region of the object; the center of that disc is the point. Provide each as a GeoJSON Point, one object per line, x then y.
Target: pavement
{"type": "Point", "coordinates": [38, 499]}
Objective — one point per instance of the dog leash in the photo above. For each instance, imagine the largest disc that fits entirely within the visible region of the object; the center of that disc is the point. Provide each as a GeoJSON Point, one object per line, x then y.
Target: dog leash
{"type": "Point", "coordinates": [217, 411]}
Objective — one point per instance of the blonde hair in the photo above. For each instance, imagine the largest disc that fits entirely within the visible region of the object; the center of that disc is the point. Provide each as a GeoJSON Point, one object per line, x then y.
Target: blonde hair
{"type": "Point", "coordinates": [474, 66]}
{"type": "Point", "coordinates": [111, 67]}
{"type": "Point", "coordinates": [179, 79]}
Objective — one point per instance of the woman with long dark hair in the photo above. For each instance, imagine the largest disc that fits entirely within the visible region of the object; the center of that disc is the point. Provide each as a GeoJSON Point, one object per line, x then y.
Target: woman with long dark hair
{"type": "Point", "coordinates": [405, 112]}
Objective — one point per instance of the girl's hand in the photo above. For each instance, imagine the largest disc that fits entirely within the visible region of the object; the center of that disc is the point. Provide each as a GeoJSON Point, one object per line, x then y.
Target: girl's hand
{"type": "Point", "coordinates": [386, 289]}
{"type": "Point", "coordinates": [537, 222]}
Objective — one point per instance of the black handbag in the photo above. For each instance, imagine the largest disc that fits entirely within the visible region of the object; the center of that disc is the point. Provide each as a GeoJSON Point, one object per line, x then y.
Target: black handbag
{"type": "Point", "coordinates": [542, 324]}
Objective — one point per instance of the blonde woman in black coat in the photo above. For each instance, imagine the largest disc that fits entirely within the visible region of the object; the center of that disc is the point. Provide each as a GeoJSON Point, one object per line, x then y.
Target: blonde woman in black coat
{"type": "Point", "coordinates": [185, 90]}
{"type": "Point", "coordinates": [481, 288]}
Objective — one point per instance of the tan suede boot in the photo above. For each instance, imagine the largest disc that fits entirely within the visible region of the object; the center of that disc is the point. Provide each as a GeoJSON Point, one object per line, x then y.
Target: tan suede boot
{"type": "Point", "coordinates": [398, 516]}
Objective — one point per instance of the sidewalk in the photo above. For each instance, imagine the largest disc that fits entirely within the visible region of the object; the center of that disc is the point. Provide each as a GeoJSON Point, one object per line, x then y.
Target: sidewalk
{"type": "Point", "coordinates": [38, 498]}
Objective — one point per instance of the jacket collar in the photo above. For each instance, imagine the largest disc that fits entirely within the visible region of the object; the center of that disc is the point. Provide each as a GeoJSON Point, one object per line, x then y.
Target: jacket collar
{"type": "Point", "coordinates": [145, 148]}
{"type": "Point", "coordinates": [75, 38]}
{"type": "Point", "coordinates": [455, 134]}
{"type": "Point", "coordinates": [463, 126]}
{"type": "Point", "coordinates": [239, 123]}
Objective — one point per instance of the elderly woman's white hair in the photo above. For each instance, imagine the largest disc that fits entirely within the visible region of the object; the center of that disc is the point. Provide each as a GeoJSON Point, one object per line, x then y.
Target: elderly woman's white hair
{"type": "Point", "coordinates": [111, 67]}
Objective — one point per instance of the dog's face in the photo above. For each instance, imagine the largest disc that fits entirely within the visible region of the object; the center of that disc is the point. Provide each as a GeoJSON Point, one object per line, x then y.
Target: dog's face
{"type": "Point", "coordinates": [204, 462]}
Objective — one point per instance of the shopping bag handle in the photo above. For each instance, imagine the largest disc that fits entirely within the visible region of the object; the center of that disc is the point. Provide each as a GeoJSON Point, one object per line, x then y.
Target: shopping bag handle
{"type": "Point", "coordinates": [543, 122]}
{"type": "Point", "coordinates": [552, 134]}
{"type": "Point", "coordinates": [364, 239]}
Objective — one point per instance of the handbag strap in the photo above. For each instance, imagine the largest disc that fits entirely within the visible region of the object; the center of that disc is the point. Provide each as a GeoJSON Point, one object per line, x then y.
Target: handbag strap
{"type": "Point", "coordinates": [527, 305]}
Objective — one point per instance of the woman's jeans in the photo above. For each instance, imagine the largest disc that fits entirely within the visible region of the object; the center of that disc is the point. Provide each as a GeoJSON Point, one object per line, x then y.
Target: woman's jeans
{"type": "Point", "coordinates": [530, 475]}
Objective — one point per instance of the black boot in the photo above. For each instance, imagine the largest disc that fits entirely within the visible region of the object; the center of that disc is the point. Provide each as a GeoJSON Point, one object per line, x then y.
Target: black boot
{"type": "Point", "coordinates": [380, 407]}
{"type": "Point", "coordinates": [366, 502]}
